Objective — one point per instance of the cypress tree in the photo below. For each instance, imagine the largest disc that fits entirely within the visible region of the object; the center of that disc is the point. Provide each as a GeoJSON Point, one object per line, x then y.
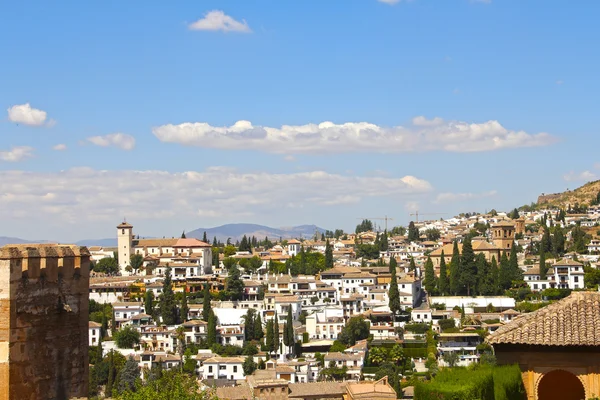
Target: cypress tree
{"type": "Point", "coordinates": [429, 276]}
{"type": "Point", "coordinates": [455, 270]}
{"type": "Point", "coordinates": [183, 310]}
{"type": "Point", "coordinates": [485, 279]}
{"type": "Point", "coordinates": [443, 280]}
{"type": "Point", "coordinates": [111, 375]}
{"type": "Point", "coordinates": [276, 337]}
{"type": "Point", "coordinates": [494, 274]}
{"type": "Point", "coordinates": [206, 302]}
{"type": "Point", "coordinates": [149, 302]}
{"type": "Point", "coordinates": [413, 266]}
{"type": "Point", "coordinates": [328, 255]}
{"type": "Point", "coordinates": [468, 271]}
{"type": "Point", "coordinates": [517, 273]}
{"type": "Point", "coordinates": [183, 235]}
{"type": "Point", "coordinates": [504, 273]}
{"type": "Point", "coordinates": [413, 232]}
{"type": "Point", "coordinates": [215, 243]}
{"type": "Point", "coordinates": [543, 270]}
{"type": "Point", "coordinates": [168, 308]}
{"type": "Point", "coordinates": [258, 327]}
{"type": "Point", "coordinates": [204, 237]}
{"type": "Point", "coordinates": [270, 338]}
{"type": "Point", "coordinates": [393, 292]}
{"type": "Point", "coordinates": [291, 339]}
{"type": "Point", "coordinates": [211, 334]}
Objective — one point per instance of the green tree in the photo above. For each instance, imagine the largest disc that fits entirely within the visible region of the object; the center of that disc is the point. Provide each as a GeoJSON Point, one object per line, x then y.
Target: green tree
{"type": "Point", "coordinates": [558, 241]}
{"type": "Point", "coordinates": [136, 261]}
{"type": "Point", "coordinates": [211, 333]}
{"type": "Point", "coordinates": [443, 284]}
{"type": "Point", "coordinates": [184, 309]}
{"type": "Point", "coordinates": [276, 336]}
{"type": "Point", "coordinates": [485, 277]}
{"type": "Point", "coordinates": [450, 358]}
{"type": "Point", "coordinates": [455, 270]}
{"type": "Point", "coordinates": [249, 366]}
{"type": "Point", "coordinates": [107, 265]}
{"type": "Point", "coordinates": [516, 272]}
{"type": "Point", "coordinates": [270, 338]}
{"type": "Point", "coordinates": [364, 226]}
{"type": "Point", "coordinates": [168, 307]}
{"type": "Point", "coordinates": [393, 292]}
{"type": "Point", "coordinates": [412, 266]}
{"type": "Point", "coordinates": [413, 232]}
{"type": "Point", "coordinates": [433, 234]}
{"type": "Point", "coordinates": [206, 302]}
{"type": "Point", "coordinates": [249, 323]}
{"type": "Point", "coordinates": [235, 284]}
{"type": "Point", "coordinates": [504, 274]}
{"type": "Point", "coordinates": [149, 302]}
{"type": "Point", "coordinates": [111, 375]}
{"type": "Point", "coordinates": [328, 255]}
{"type": "Point", "coordinates": [429, 276]}
{"type": "Point", "coordinates": [189, 364]}
{"type": "Point", "coordinates": [127, 337]}
{"type": "Point", "coordinates": [129, 375]}
{"type": "Point", "coordinates": [205, 238]}
{"type": "Point", "coordinates": [468, 271]}
{"type": "Point", "coordinates": [357, 328]}
{"type": "Point", "coordinates": [378, 355]}
{"type": "Point", "coordinates": [514, 214]}
{"type": "Point", "coordinates": [543, 269]}
{"type": "Point", "coordinates": [289, 338]}
{"type": "Point", "coordinates": [215, 256]}
{"type": "Point", "coordinates": [258, 327]}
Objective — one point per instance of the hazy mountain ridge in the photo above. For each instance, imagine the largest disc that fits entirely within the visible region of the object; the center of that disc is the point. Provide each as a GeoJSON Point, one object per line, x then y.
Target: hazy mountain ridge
{"type": "Point", "coordinates": [237, 231]}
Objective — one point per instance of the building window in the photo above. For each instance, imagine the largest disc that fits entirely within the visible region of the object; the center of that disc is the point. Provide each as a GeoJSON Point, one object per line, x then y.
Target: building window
{"type": "Point", "coordinates": [235, 368]}
{"type": "Point", "coordinates": [210, 369]}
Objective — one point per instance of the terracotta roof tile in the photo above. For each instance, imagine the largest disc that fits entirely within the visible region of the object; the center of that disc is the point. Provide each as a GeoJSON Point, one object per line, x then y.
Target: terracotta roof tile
{"type": "Point", "coordinates": [572, 321]}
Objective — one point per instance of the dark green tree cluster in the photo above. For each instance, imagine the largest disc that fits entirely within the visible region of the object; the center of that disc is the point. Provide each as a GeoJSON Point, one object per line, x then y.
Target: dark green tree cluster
{"type": "Point", "coordinates": [127, 337]}
{"type": "Point", "coordinates": [393, 292]}
{"type": "Point", "coordinates": [245, 244]}
{"type": "Point", "coordinates": [413, 232]}
{"type": "Point", "coordinates": [234, 284]}
{"type": "Point", "coordinates": [328, 255]}
{"type": "Point", "coordinates": [433, 234]}
{"type": "Point", "coordinates": [168, 305]}
{"type": "Point", "coordinates": [305, 263]}
{"type": "Point", "coordinates": [253, 327]}
{"type": "Point", "coordinates": [107, 265]}
{"type": "Point", "coordinates": [381, 241]}
{"type": "Point", "coordinates": [250, 265]}
{"type": "Point", "coordinates": [514, 214]}
{"type": "Point", "coordinates": [475, 275]}
{"type": "Point", "coordinates": [272, 337]}
{"type": "Point", "coordinates": [357, 328]}
{"type": "Point", "coordinates": [365, 226]}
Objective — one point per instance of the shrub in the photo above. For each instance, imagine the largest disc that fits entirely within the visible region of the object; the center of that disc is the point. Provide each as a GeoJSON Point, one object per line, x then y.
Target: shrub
{"type": "Point", "coordinates": [416, 328]}
{"type": "Point", "coordinates": [446, 324]}
{"type": "Point", "coordinates": [508, 383]}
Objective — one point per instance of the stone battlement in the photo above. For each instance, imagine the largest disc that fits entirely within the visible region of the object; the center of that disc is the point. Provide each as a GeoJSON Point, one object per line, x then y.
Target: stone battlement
{"type": "Point", "coordinates": [49, 261]}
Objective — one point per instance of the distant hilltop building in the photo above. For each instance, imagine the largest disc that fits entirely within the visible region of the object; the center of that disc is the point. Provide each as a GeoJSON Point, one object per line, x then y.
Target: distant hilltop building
{"type": "Point", "coordinates": [44, 321]}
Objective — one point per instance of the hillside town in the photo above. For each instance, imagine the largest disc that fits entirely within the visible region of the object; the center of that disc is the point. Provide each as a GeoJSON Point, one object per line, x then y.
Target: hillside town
{"type": "Point", "coordinates": [371, 313]}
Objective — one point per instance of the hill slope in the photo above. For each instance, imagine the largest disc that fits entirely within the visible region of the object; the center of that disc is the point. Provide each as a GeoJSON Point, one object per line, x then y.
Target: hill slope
{"type": "Point", "coordinates": [236, 231]}
{"type": "Point", "coordinates": [582, 195]}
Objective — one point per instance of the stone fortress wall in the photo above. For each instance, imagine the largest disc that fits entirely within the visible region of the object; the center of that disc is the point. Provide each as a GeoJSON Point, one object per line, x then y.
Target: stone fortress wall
{"type": "Point", "coordinates": [44, 321]}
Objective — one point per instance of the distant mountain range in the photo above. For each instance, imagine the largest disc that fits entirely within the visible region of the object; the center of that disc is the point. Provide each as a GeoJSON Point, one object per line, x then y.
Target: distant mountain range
{"type": "Point", "coordinates": [223, 232]}
{"type": "Point", "coordinates": [237, 231]}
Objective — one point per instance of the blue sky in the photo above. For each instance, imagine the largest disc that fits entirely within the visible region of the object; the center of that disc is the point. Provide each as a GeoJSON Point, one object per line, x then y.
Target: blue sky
{"type": "Point", "coordinates": [445, 106]}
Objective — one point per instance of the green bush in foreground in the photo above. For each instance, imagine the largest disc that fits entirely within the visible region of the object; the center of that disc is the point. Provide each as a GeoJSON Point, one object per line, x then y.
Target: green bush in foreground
{"type": "Point", "coordinates": [477, 383]}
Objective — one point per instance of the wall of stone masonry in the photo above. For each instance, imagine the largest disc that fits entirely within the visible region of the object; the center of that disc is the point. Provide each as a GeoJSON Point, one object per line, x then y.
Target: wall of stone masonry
{"type": "Point", "coordinates": [47, 314]}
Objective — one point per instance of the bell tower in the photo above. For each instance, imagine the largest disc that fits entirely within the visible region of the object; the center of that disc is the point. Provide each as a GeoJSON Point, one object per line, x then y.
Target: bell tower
{"type": "Point", "coordinates": [503, 235]}
{"type": "Point", "coordinates": [124, 241]}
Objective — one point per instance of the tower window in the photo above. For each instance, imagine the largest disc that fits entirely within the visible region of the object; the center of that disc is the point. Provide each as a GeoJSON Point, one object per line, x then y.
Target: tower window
{"type": "Point", "coordinates": [123, 231]}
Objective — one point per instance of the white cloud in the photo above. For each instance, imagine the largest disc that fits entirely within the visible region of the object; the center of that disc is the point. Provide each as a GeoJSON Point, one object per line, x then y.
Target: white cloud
{"type": "Point", "coordinates": [289, 158]}
{"type": "Point", "coordinates": [120, 140]}
{"type": "Point", "coordinates": [27, 115]}
{"type": "Point", "coordinates": [454, 197]}
{"type": "Point", "coordinates": [16, 153]}
{"type": "Point", "coordinates": [327, 137]}
{"type": "Point", "coordinates": [391, 2]}
{"type": "Point", "coordinates": [559, 82]}
{"type": "Point", "coordinates": [59, 147]}
{"type": "Point", "coordinates": [85, 194]}
{"type": "Point", "coordinates": [217, 20]}
{"type": "Point", "coordinates": [584, 176]}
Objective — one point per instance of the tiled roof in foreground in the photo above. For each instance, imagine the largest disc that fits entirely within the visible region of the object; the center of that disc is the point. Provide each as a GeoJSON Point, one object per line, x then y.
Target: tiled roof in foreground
{"type": "Point", "coordinates": [572, 321]}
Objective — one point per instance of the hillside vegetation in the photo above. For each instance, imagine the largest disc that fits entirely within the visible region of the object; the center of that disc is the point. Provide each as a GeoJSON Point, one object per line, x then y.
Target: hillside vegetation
{"type": "Point", "coordinates": [583, 195]}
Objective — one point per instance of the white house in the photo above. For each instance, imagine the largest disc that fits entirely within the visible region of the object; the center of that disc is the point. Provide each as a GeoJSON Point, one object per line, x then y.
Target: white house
{"type": "Point", "coordinates": [293, 247]}
{"type": "Point", "coordinates": [325, 324]}
{"type": "Point", "coordinates": [123, 312]}
{"type": "Point", "coordinates": [423, 315]}
{"type": "Point", "coordinates": [229, 368]}
{"type": "Point", "coordinates": [94, 333]}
